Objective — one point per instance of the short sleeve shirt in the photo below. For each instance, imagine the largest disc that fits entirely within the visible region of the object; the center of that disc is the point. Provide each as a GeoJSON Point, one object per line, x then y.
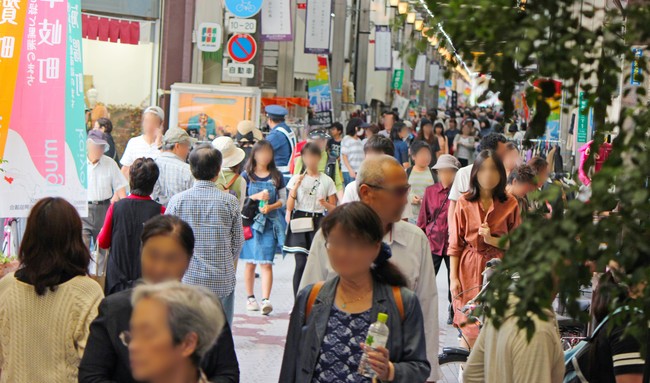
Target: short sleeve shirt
{"type": "Point", "coordinates": [353, 149]}
{"type": "Point", "coordinates": [104, 179]}
{"type": "Point", "coordinates": [311, 190]}
{"type": "Point", "coordinates": [138, 148]}
{"type": "Point", "coordinates": [616, 355]}
{"type": "Point", "coordinates": [461, 183]}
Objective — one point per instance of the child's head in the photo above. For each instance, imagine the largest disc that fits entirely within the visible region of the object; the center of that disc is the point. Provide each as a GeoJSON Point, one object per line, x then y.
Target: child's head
{"type": "Point", "coordinates": [262, 154]}
{"type": "Point", "coordinates": [421, 153]}
{"type": "Point", "coordinates": [446, 167]}
{"type": "Point", "coordinates": [336, 130]}
{"type": "Point", "coordinates": [311, 155]}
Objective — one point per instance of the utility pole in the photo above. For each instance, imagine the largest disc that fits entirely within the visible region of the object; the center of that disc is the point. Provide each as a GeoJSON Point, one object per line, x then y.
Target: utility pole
{"type": "Point", "coordinates": [361, 55]}
{"type": "Point", "coordinates": [338, 57]}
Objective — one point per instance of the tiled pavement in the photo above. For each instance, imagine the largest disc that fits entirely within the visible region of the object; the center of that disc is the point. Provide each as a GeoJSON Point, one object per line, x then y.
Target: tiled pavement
{"type": "Point", "coordinates": [259, 340]}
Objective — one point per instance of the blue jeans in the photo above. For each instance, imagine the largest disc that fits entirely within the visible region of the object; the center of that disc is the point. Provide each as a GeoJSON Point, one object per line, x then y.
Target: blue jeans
{"type": "Point", "coordinates": [347, 179]}
{"type": "Point", "coordinates": [228, 303]}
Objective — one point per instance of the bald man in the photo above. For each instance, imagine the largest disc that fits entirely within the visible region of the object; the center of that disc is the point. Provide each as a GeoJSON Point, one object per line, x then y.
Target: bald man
{"type": "Point", "coordinates": [383, 185]}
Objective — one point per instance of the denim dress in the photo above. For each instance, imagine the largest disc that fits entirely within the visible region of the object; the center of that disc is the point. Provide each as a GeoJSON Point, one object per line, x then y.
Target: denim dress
{"type": "Point", "coordinates": [268, 229]}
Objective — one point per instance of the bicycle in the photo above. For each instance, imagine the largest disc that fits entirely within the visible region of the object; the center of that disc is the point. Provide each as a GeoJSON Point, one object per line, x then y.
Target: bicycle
{"type": "Point", "coordinates": [245, 6]}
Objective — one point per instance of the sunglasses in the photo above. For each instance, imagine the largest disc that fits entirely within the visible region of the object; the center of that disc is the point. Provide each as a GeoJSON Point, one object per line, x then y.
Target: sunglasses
{"type": "Point", "coordinates": [398, 191]}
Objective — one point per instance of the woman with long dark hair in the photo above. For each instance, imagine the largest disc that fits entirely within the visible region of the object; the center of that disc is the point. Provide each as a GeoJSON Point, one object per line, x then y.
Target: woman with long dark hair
{"type": "Point", "coordinates": [352, 150]}
{"type": "Point", "coordinates": [439, 133]}
{"type": "Point", "coordinates": [330, 320]}
{"type": "Point", "coordinates": [482, 216]}
{"type": "Point", "coordinates": [426, 135]}
{"type": "Point", "coordinates": [398, 135]}
{"type": "Point", "coordinates": [265, 184]}
{"type": "Point", "coordinates": [47, 305]}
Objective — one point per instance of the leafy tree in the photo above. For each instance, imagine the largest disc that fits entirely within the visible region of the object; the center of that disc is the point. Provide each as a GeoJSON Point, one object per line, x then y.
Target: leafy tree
{"type": "Point", "coordinates": [586, 47]}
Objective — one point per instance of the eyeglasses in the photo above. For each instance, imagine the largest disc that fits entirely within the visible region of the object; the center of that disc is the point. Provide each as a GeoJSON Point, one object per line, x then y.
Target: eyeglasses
{"type": "Point", "coordinates": [398, 191]}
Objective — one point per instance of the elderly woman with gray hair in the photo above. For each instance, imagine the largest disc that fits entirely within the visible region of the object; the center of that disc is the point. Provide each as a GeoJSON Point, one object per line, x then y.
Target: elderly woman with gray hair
{"type": "Point", "coordinates": [172, 327]}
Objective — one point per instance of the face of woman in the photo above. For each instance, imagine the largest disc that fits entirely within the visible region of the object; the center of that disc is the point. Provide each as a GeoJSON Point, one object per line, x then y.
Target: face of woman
{"type": "Point", "coordinates": [151, 349]}
{"type": "Point", "coordinates": [349, 256]}
{"type": "Point", "coordinates": [264, 156]}
{"type": "Point", "coordinates": [311, 161]}
{"type": "Point", "coordinates": [488, 175]}
{"type": "Point", "coordinates": [467, 130]}
{"type": "Point", "coordinates": [163, 259]}
{"type": "Point", "coordinates": [404, 133]}
{"type": "Point", "coordinates": [438, 130]}
{"type": "Point", "coordinates": [511, 160]}
{"type": "Point", "coordinates": [427, 130]}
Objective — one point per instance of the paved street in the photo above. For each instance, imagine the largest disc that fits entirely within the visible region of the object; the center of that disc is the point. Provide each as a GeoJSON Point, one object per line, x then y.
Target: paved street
{"type": "Point", "coordinates": [259, 340]}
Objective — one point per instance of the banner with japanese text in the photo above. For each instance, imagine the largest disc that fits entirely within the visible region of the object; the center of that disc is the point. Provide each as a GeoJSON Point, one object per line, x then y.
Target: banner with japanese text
{"type": "Point", "coordinates": [42, 130]}
{"type": "Point", "coordinates": [320, 94]}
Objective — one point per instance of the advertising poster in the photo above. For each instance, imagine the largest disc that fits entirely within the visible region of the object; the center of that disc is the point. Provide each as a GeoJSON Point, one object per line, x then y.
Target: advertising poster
{"type": "Point", "coordinates": [320, 94]}
{"type": "Point", "coordinates": [42, 129]}
{"type": "Point", "coordinates": [318, 26]}
{"type": "Point", "coordinates": [383, 52]}
{"type": "Point", "coordinates": [434, 72]}
{"type": "Point", "coordinates": [276, 20]}
{"type": "Point", "coordinates": [419, 73]}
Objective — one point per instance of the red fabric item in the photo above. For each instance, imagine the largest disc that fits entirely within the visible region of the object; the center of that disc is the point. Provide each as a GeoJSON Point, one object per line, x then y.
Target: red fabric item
{"type": "Point", "coordinates": [135, 32]}
{"type": "Point", "coordinates": [93, 27]}
{"type": "Point", "coordinates": [103, 29]}
{"type": "Point", "coordinates": [84, 25]}
{"type": "Point", "coordinates": [113, 30]}
{"type": "Point", "coordinates": [125, 32]}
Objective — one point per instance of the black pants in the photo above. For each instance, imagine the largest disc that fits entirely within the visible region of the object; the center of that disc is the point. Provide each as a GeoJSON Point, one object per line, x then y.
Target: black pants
{"type": "Point", "coordinates": [301, 261]}
{"type": "Point", "coordinates": [437, 261]}
{"type": "Point", "coordinates": [463, 162]}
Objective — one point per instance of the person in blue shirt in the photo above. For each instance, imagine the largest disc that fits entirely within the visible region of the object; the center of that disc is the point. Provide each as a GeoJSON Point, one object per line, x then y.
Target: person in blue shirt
{"type": "Point", "coordinates": [281, 138]}
{"type": "Point", "coordinates": [398, 134]}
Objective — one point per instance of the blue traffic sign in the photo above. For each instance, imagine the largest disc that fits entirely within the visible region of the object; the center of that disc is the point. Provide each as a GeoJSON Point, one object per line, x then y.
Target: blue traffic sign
{"type": "Point", "coordinates": [244, 8]}
{"type": "Point", "coordinates": [242, 48]}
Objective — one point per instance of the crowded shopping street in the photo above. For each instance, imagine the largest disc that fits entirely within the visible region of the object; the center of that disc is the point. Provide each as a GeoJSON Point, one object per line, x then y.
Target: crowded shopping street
{"type": "Point", "coordinates": [325, 191]}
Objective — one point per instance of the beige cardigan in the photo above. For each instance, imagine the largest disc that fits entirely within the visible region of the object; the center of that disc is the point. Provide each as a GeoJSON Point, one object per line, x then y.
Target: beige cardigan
{"type": "Point", "coordinates": [42, 338]}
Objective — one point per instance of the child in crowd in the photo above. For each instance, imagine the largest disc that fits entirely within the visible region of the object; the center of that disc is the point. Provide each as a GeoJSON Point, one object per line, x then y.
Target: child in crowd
{"type": "Point", "coordinates": [266, 185]}
{"type": "Point", "coordinates": [433, 215]}
{"type": "Point", "coordinates": [420, 177]}
{"type": "Point", "coordinates": [328, 164]}
{"type": "Point", "coordinates": [311, 194]}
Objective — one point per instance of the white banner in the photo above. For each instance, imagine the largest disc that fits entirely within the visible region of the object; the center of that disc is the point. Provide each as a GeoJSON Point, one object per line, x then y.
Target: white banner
{"type": "Point", "coordinates": [434, 72]}
{"type": "Point", "coordinates": [383, 53]}
{"type": "Point", "coordinates": [419, 73]}
{"type": "Point", "coordinates": [318, 26]}
{"type": "Point", "coordinates": [276, 20]}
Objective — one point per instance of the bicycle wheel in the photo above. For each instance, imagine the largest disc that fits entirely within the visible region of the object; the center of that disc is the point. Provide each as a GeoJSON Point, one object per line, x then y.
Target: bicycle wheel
{"type": "Point", "coordinates": [451, 366]}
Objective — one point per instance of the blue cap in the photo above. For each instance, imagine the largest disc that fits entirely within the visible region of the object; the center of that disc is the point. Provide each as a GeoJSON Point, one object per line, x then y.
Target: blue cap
{"type": "Point", "coordinates": [276, 110]}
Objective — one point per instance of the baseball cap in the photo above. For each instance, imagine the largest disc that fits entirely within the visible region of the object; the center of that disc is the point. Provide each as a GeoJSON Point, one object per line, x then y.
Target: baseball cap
{"type": "Point", "coordinates": [97, 138]}
{"type": "Point", "coordinates": [177, 136]}
{"type": "Point", "coordinates": [447, 161]}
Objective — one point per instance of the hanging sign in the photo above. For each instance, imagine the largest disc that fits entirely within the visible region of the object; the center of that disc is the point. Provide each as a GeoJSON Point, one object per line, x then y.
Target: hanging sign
{"type": "Point", "coordinates": [42, 129]}
{"type": "Point", "coordinates": [583, 128]}
{"type": "Point", "coordinates": [276, 20]}
{"type": "Point", "coordinates": [242, 8]}
{"type": "Point", "coordinates": [318, 26]}
{"type": "Point", "coordinates": [242, 25]}
{"type": "Point", "coordinates": [383, 52]}
{"type": "Point", "coordinates": [636, 76]}
{"type": "Point", "coordinates": [242, 48]}
{"type": "Point", "coordinates": [419, 73]}
{"type": "Point", "coordinates": [398, 78]}
{"type": "Point", "coordinates": [320, 94]}
{"type": "Point", "coordinates": [209, 37]}
{"type": "Point", "coordinates": [434, 72]}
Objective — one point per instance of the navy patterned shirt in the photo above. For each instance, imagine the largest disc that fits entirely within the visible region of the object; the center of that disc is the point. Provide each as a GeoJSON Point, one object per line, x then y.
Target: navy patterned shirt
{"type": "Point", "coordinates": [340, 352]}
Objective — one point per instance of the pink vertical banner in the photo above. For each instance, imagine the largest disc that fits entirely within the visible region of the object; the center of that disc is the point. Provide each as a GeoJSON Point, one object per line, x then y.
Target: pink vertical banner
{"type": "Point", "coordinates": [39, 100]}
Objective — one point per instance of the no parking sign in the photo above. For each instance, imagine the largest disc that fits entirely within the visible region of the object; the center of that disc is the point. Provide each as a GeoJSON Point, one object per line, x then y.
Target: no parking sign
{"type": "Point", "coordinates": [242, 48]}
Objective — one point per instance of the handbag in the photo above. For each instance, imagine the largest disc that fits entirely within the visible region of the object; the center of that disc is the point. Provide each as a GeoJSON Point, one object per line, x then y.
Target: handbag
{"type": "Point", "coordinates": [248, 233]}
{"type": "Point", "coordinates": [249, 211]}
{"type": "Point", "coordinates": [301, 225]}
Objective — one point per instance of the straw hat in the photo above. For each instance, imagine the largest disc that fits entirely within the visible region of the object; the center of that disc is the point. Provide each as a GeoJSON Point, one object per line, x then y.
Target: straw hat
{"type": "Point", "coordinates": [232, 155]}
{"type": "Point", "coordinates": [247, 132]}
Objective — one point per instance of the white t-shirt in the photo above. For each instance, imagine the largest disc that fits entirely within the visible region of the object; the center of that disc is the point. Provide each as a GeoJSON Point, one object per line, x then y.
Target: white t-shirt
{"type": "Point", "coordinates": [104, 179]}
{"type": "Point", "coordinates": [312, 190]}
{"type": "Point", "coordinates": [138, 148]}
{"type": "Point", "coordinates": [461, 183]}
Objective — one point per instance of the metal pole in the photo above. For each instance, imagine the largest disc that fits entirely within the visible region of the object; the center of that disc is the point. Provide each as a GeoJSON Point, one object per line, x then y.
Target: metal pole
{"type": "Point", "coordinates": [338, 56]}
{"type": "Point", "coordinates": [286, 53]}
{"type": "Point", "coordinates": [363, 34]}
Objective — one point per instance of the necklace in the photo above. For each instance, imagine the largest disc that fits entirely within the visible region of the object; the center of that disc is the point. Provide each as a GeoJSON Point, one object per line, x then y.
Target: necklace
{"type": "Point", "coordinates": [345, 304]}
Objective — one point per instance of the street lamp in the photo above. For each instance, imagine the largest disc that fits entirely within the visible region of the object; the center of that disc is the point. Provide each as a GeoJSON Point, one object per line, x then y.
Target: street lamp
{"type": "Point", "coordinates": [394, 3]}
{"type": "Point", "coordinates": [419, 24]}
{"type": "Point", "coordinates": [410, 18]}
{"type": "Point", "coordinates": [425, 30]}
{"type": "Point", "coordinates": [402, 7]}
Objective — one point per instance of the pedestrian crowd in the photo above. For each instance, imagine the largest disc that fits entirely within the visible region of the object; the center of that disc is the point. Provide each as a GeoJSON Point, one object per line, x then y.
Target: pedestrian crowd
{"type": "Point", "coordinates": [369, 212]}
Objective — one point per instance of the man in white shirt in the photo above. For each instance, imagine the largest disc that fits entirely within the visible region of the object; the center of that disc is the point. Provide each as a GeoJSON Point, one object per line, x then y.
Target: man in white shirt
{"type": "Point", "coordinates": [146, 145]}
{"type": "Point", "coordinates": [383, 185]}
{"type": "Point", "coordinates": [105, 185]}
{"type": "Point", "coordinates": [175, 174]}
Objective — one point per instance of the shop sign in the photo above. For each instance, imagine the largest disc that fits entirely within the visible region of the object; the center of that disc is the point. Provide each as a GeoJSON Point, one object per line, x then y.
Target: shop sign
{"type": "Point", "coordinates": [398, 78]}
{"type": "Point", "coordinates": [582, 119]}
{"type": "Point", "coordinates": [244, 8]}
{"type": "Point", "coordinates": [636, 76]}
{"type": "Point", "coordinates": [209, 37]}
{"type": "Point", "coordinates": [320, 94]}
{"type": "Point", "coordinates": [242, 25]}
{"type": "Point", "coordinates": [43, 87]}
{"type": "Point", "coordinates": [241, 70]}
{"type": "Point", "coordinates": [242, 48]}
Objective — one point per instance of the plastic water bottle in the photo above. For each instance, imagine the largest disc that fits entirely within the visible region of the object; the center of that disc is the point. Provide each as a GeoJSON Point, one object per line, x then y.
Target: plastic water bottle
{"type": "Point", "coordinates": [262, 202]}
{"type": "Point", "coordinates": [377, 337]}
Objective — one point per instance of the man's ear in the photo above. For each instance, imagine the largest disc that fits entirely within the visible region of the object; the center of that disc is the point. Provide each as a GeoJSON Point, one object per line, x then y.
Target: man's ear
{"type": "Point", "coordinates": [365, 192]}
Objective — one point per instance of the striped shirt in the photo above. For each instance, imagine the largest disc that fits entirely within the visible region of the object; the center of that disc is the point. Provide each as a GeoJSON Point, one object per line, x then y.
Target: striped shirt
{"type": "Point", "coordinates": [419, 181]}
{"type": "Point", "coordinates": [353, 149]}
{"type": "Point", "coordinates": [175, 177]}
{"type": "Point", "coordinates": [216, 220]}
